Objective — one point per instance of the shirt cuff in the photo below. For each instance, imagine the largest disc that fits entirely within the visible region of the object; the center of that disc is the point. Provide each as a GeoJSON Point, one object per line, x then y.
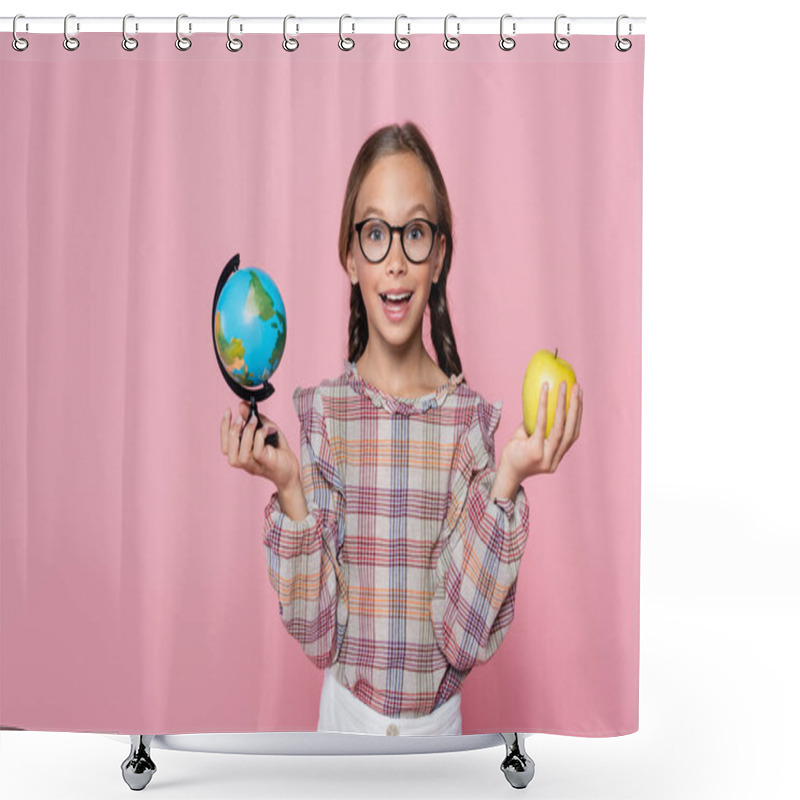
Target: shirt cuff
{"type": "Point", "coordinates": [276, 517]}
{"type": "Point", "coordinates": [506, 504]}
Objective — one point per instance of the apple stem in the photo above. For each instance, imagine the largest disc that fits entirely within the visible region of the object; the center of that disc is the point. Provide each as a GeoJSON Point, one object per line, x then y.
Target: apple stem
{"type": "Point", "coordinates": [556, 355]}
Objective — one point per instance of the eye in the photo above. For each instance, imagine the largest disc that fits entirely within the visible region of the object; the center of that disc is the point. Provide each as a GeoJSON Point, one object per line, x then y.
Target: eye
{"type": "Point", "coordinates": [415, 231]}
{"type": "Point", "coordinates": [375, 232]}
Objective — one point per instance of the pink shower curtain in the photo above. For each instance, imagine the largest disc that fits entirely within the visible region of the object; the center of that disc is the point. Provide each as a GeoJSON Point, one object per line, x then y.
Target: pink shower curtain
{"type": "Point", "coordinates": [135, 595]}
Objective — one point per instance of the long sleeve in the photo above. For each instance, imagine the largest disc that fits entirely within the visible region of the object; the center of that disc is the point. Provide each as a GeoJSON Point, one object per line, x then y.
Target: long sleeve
{"type": "Point", "coordinates": [302, 556]}
{"type": "Point", "coordinates": [483, 543]}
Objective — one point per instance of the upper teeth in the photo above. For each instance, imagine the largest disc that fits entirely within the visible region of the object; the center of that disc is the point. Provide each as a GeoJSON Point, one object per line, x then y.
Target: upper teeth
{"type": "Point", "coordinates": [397, 296]}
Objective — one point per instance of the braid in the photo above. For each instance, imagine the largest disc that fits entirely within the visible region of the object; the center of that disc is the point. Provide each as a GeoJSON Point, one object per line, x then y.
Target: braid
{"type": "Point", "coordinates": [358, 328]}
{"type": "Point", "coordinates": [444, 341]}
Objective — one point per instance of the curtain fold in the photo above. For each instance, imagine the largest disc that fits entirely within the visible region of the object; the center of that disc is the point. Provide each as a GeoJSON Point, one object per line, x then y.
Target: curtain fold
{"type": "Point", "coordinates": [133, 576]}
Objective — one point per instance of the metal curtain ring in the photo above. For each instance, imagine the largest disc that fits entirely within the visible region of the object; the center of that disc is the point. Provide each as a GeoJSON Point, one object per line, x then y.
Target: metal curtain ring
{"type": "Point", "coordinates": [560, 42]}
{"type": "Point", "coordinates": [451, 42]}
{"type": "Point", "coordinates": [233, 44]}
{"type": "Point", "coordinates": [70, 42]}
{"type": "Point", "coordinates": [400, 42]}
{"type": "Point", "coordinates": [182, 42]}
{"type": "Point", "coordinates": [289, 44]}
{"type": "Point", "coordinates": [506, 42]}
{"type": "Point", "coordinates": [17, 42]}
{"type": "Point", "coordinates": [623, 45]}
{"type": "Point", "coordinates": [345, 42]}
{"type": "Point", "coordinates": [128, 42]}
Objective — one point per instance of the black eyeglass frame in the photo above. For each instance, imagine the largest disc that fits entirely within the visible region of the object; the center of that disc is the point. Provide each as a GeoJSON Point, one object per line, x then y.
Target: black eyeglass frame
{"type": "Point", "coordinates": [401, 230]}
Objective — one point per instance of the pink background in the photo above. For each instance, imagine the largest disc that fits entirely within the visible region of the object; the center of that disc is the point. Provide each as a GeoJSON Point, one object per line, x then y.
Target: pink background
{"type": "Point", "coordinates": [133, 588]}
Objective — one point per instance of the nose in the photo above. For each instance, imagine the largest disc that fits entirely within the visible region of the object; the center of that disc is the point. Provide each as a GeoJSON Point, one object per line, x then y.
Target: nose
{"type": "Point", "coordinates": [396, 258]}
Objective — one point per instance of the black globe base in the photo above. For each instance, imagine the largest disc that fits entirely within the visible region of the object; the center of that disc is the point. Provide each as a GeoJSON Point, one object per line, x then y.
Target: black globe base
{"type": "Point", "coordinates": [272, 438]}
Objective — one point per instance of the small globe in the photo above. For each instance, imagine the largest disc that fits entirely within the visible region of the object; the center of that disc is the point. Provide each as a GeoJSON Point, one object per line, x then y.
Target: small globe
{"type": "Point", "coordinates": [250, 327]}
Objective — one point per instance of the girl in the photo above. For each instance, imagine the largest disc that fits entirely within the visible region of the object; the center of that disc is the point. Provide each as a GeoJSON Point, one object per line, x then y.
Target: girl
{"type": "Point", "coordinates": [394, 548]}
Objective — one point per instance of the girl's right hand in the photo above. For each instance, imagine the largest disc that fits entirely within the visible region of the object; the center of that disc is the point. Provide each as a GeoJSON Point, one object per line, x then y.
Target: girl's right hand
{"type": "Point", "coordinates": [250, 453]}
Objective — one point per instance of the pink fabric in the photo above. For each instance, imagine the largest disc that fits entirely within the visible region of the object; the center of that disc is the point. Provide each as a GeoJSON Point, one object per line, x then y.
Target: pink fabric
{"type": "Point", "coordinates": [135, 596]}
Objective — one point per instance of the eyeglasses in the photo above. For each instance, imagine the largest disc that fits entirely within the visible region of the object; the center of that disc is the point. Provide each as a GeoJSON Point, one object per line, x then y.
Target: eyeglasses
{"type": "Point", "coordinates": [375, 238]}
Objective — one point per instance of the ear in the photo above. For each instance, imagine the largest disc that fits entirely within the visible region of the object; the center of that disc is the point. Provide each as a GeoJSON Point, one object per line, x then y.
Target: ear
{"type": "Point", "coordinates": [351, 267]}
{"type": "Point", "coordinates": [440, 258]}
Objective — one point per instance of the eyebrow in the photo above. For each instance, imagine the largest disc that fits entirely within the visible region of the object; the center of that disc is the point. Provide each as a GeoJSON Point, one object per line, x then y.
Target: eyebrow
{"type": "Point", "coordinates": [372, 210]}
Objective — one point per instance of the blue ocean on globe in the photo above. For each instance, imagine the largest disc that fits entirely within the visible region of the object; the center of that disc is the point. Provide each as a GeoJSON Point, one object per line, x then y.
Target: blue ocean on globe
{"type": "Point", "coordinates": [250, 326]}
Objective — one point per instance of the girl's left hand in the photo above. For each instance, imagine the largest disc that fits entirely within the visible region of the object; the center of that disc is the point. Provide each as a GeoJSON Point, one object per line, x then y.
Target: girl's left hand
{"type": "Point", "coordinates": [525, 455]}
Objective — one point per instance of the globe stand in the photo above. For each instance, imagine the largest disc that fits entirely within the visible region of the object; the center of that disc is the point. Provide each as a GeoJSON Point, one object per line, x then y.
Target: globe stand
{"type": "Point", "coordinates": [250, 395]}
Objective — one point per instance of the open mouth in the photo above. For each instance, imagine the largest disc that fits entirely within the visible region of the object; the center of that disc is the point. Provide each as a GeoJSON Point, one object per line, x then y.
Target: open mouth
{"type": "Point", "coordinates": [396, 300]}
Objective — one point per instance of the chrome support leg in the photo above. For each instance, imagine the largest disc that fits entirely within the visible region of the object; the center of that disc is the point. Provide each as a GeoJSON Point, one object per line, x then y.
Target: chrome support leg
{"type": "Point", "coordinates": [517, 766]}
{"type": "Point", "coordinates": [138, 768]}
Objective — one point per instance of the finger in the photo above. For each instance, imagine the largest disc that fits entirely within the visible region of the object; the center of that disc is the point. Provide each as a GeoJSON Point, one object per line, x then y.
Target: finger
{"type": "Point", "coordinates": [223, 431]}
{"type": "Point", "coordinates": [246, 411]}
{"type": "Point", "coordinates": [569, 431]}
{"type": "Point", "coordinates": [552, 444]}
{"type": "Point", "coordinates": [580, 414]}
{"type": "Point", "coordinates": [541, 415]}
{"type": "Point", "coordinates": [266, 422]}
{"type": "Point", "coordinates": [233, 441]}
{"type": "Point", "coordinates": [557, 431]}
{"type": "Point", "coordinates": [258, 444]}
{"type": "Point", "coordinates": [246, 444]}
{"type": "Point", "coordinates": [572, 414]}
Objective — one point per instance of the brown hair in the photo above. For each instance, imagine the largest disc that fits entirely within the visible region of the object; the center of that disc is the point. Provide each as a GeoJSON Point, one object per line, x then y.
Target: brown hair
{"type": "Point", "coordinates": [387, 141]}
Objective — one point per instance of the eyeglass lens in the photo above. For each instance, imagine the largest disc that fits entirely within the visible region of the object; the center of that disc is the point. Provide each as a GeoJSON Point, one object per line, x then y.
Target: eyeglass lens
{"type": "Point", "coordinates": [417, 240]}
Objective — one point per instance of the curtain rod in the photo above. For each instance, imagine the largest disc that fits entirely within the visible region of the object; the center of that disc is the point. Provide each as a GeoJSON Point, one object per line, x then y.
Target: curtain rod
{"type": "Point", "coordinates": [407, 25]}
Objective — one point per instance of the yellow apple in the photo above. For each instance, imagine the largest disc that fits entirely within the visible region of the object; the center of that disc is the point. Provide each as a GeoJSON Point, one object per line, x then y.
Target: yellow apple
{"type": "Point", "coordinates": [544, 367]}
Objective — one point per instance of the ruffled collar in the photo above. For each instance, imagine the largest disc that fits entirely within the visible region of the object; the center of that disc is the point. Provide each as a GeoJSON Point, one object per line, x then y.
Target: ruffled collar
{"type": "Point", "coordinates": [401, 405]}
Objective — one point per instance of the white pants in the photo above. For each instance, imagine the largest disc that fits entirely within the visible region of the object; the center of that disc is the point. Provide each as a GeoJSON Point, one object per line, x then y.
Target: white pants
{"type": "Point", "coordinates": [340, 710]}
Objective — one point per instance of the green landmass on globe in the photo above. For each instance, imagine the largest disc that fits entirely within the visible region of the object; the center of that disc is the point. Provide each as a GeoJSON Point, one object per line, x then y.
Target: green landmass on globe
{"type": "Point", "coordinates": [253, 337]}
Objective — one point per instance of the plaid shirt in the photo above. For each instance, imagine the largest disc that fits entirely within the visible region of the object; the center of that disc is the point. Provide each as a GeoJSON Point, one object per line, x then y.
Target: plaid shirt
{"type": "Point", "coordinates": [403, 575]}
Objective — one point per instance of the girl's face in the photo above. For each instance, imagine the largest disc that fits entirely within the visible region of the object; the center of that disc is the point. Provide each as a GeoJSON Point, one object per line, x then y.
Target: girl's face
{"type": "Point", "coordinates": [397, 189]}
